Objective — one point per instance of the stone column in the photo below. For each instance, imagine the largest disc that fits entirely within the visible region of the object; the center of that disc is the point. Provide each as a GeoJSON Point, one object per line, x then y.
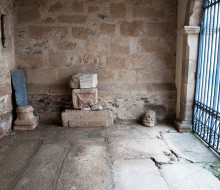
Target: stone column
{"type": "Point", "coordinates": [186, 88]}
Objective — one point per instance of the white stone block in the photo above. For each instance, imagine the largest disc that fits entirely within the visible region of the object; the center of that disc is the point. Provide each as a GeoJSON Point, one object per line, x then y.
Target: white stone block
{"type": "Point", "coordinates": [83, 80]}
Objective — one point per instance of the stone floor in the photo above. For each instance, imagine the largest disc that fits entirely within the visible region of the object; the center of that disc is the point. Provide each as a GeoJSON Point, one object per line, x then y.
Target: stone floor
{"type": "Point", "coordinates": [121, 157]}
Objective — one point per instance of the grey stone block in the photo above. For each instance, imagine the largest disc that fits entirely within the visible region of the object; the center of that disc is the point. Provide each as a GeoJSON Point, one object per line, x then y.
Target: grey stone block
{"type": "Point", "coordinates": [81, 118]}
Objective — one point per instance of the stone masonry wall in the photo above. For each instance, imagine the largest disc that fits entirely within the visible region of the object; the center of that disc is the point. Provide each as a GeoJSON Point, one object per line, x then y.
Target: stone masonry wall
{"type": "Point", "coordinates": [7, 63]}
{"type": "Point", "coordinates": [130, 44]}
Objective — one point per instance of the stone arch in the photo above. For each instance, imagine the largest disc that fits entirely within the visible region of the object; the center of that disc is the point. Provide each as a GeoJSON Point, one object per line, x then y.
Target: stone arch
{"type": "Point", "coordinates": [193, 12]}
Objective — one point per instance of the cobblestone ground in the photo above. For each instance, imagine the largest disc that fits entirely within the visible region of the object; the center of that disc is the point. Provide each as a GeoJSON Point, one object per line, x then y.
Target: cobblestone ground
{"type": "Point", "coordinates": [125, 156]}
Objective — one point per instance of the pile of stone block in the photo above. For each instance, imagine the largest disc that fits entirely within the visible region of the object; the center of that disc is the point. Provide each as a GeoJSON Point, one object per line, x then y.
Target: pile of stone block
{"type": "Point", "coordinates": [86, 110]}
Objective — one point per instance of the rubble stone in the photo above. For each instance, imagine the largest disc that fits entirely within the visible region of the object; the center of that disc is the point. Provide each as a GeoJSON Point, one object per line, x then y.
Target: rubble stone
{"type": "Point", "coordinates": [84, 98]}
{"type": "Point", "coordinates": [149, 118]}
{"type": "Point", "coordinates": [80, 118]}
{"type": "Point", "coordinates": [83, 80]}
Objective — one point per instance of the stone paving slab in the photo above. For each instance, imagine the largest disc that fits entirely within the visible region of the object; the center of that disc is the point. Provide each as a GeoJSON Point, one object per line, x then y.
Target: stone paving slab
{"type": "Point", "coordinates": [43, 171]}
{"type": "Point", "coordinates": [140, 148]}
{"type": "Point", "coordinates": [14, 161]}
{"type": "Point", "coordinates": [123, 156]}
{"type": "Point", "coordinates": [137, 175]}
{"type": "Point", "coordinates": [85, 166]}
{"type": "Point", "coordinates": [79, 133]}
{"type": "Point", "coordinates": [130, 131]}
{"type": "Point", "coordinates": [189, 176]}
{"type": "Point", "coordinates": [188, 146]}
{"type": "Point", "coordinates": [36, 134]}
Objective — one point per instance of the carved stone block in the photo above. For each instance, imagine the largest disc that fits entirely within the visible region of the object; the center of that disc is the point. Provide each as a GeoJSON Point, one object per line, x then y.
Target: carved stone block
{"type": "Point", "coordinates": [83, 80]}
{"type": "Point", "coordinates": [84, 98]}
{"type": "Point", "coordinates": [149, 118]}
{"type": "Point", "coordinates": [80, 118]}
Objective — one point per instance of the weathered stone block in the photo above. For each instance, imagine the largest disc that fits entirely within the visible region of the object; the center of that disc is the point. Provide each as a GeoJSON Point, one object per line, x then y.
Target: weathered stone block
{"type": "Point", "coordinates": [45, 32]}
{"type": "Point", "coordinates": [93, 9]}
{"type": "Point", "coordinates": [107, 29]}
{"type": "Point", "coordinates": [118, 46]}
{"type": "Point", "coordinates": [55, 7]}
{"type": "Point", "coordinates": [78, 7]}
{"type": "Point", "coordinates": [116, 62]}
{"type": "Point", "coordinates": [82, 33]}
{"type": "Point", "coordinates": [149, 118]}
{"type": "Point", "coordinates": [89, 59]}
{"type": "Point", "coordinates": [134, 28]}
{"type": "Point", "coordinates": [58, 59]}
{"type": "Point", "coordinates": [84, 98]}
{"type": "Point", "coordinates": [83, 80]}
{"type": "Point", "coordinates": [24, 3]}
{"type": "Point", "coordinates": [139, 11]}
{"type": "Point", "coordinates": [27, 15]}
{"type": "Point", "coordinates": [72, 19]}
{"type": "Point", "coordinates": [118, 10]}
{"type": "Point", "coordinates": [156, 44]}
{"type": "Point", "coordinates": [97, 47]}
{"type": "Point", "coordinates": [79, 118]}
{"type": "Point", "coordinates": [66, 45]}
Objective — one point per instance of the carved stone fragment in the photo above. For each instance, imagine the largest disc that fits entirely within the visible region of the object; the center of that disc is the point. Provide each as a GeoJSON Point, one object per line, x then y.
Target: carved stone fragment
{"type": "Point", "coordinates": [84, 98]}
{"type": "Point", "coordinates": [81, 118]}
{"type": "Point", "coordinates": [149, 118]}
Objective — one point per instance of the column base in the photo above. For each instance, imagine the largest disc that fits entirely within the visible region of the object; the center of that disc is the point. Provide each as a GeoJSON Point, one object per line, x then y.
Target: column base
{"type": "Point", "coordinates": [184, 126]}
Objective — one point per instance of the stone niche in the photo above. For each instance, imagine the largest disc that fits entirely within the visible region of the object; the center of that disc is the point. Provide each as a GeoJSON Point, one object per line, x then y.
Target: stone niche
{"type": "Point", "coordinates": [86, 111]}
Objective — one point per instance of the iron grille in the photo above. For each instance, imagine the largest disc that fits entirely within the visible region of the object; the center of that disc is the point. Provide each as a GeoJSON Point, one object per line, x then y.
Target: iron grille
{"type": "Point", "coordinates": [206, 115]}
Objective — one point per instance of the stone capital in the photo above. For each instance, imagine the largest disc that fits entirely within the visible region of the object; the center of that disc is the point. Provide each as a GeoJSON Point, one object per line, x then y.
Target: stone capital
{"type": "Point", "coordinates": [189, 30]}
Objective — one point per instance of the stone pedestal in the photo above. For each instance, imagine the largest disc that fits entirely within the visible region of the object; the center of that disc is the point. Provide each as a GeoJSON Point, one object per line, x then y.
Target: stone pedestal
{"type": "Point", "coordinates": [84, 98]}
{"type": "Point", "coordinates": [80, 118]}
{"type": "Point", "coordinates": [25, 118]}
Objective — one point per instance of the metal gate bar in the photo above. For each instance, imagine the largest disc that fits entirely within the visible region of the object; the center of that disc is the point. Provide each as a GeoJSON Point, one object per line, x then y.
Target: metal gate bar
{"type": "Point", "coordinates": [206, 115]}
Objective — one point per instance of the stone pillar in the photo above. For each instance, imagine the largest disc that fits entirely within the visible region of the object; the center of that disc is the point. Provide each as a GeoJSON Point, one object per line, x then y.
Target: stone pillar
{"type": "Point", "coordinates": [186, 86]}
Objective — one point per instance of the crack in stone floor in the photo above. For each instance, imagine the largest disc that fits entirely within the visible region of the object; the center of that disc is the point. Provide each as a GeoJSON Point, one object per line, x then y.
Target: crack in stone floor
{"type": "Point", "coordinates": [125, 156]}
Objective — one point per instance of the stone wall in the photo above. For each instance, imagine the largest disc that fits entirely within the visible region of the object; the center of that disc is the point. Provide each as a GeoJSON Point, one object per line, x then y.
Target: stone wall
{"type": "Point", "coordinates": [130, 44]}
{"type": "Point", "coordinates": [7, 63]}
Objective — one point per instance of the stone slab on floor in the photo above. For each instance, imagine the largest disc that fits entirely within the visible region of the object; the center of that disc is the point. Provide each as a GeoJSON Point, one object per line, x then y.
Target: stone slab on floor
{"type": "Point", "coordinates": [188, 146]}
{"type": "Point", "coordinates": [82, 118]}
{"type": "Point", "coordinates": [123, 130]}
{"type": "Point", "coordinates": [43, 171]}
{"type": "Point", "coordinates": [137, 174]}
{"type": "Point", "coordinates": [14, 162]}
{"type": "Point", "coordinates": [85, 166]}
{"type": "Point", "coordinates": [186, 176]}
{"type": "Point", "coordinates": [128, 148]}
